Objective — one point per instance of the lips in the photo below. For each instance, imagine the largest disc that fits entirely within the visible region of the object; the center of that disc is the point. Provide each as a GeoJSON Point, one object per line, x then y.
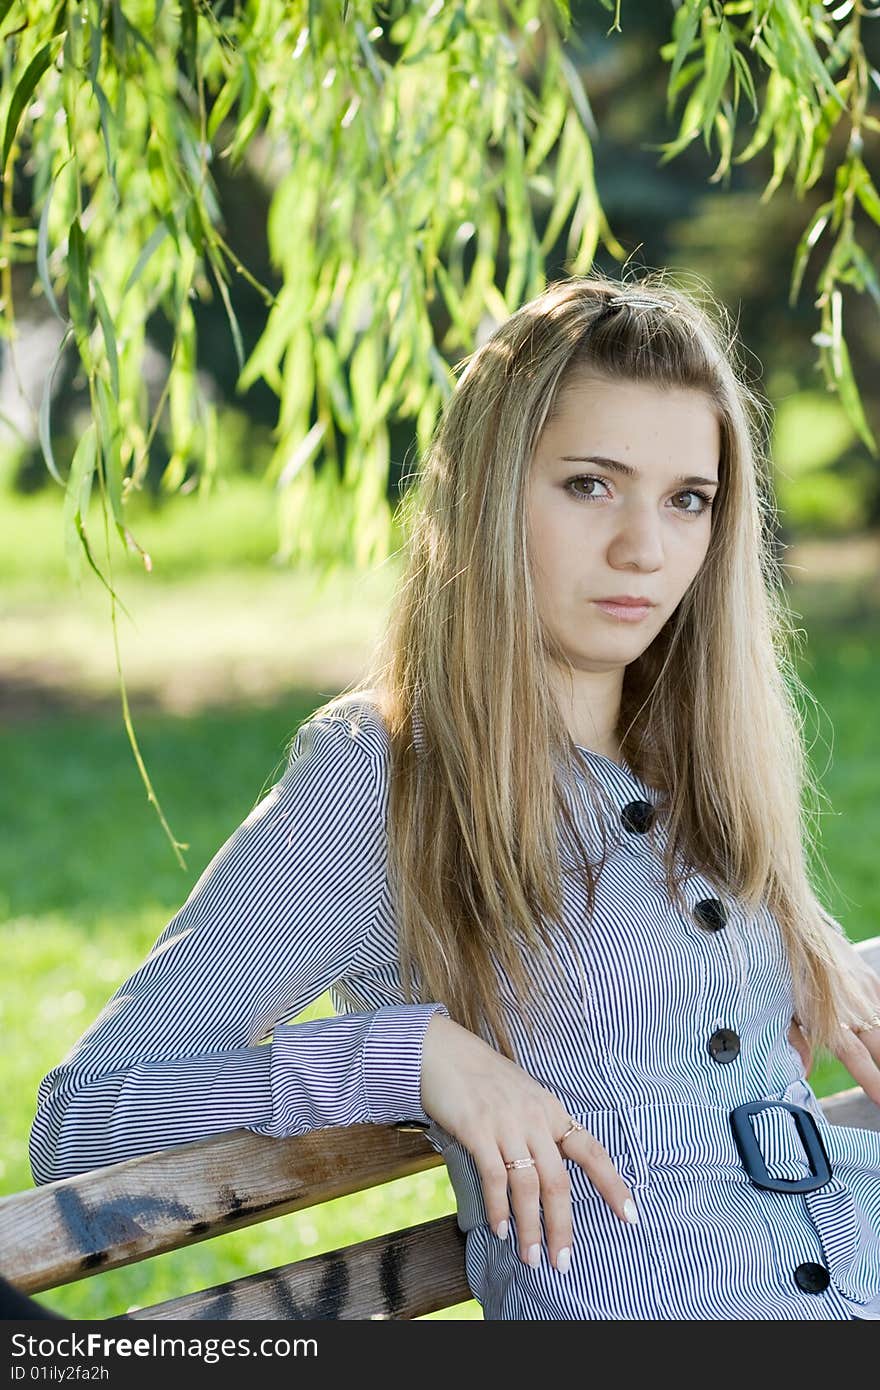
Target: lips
{"type": "Point", "coordinates": [624, 601]}
{"type": "Point", "coordinates": [624, 612]}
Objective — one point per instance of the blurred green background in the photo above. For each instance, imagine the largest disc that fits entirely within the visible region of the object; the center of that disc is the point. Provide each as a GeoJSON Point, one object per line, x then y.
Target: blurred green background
{"type": "Point", "coordinates": [228, 648]}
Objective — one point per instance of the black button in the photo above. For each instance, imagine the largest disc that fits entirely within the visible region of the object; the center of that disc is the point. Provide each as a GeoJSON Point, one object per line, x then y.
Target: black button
{"type": "Point", "coordinates": [724, 1045]}
{"type": "Point", "coordinates": [812, 1278]}
{"type": "Point", "coordinates": [637, 816]}
{"type": "Point", "coordinates": [710, 914]}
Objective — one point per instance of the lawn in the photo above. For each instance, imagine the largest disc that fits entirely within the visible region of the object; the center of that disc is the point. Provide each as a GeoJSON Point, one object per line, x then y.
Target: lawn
{"type": "Point", "coordinates": [223, 666]}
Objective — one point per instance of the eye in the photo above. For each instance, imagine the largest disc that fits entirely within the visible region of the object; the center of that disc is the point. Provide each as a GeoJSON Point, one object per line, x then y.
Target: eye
{"type": "Point", "coordinates": [583, 497]}
{"type": "Point", "coordinates": [704, 497]}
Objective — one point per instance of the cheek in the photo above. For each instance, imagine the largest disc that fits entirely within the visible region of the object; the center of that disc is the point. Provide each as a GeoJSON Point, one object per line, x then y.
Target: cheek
{"type": "Point", "coordinates": [543, 546]}
{"type": "Point", "coordinates": [697, 556]}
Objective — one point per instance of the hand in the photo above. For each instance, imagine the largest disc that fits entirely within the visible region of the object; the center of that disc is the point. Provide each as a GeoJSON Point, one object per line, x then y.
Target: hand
{"type": "Point", "coordinates": [858, 1048]}
{"type": "Point", "coordinates": [499, 1112]}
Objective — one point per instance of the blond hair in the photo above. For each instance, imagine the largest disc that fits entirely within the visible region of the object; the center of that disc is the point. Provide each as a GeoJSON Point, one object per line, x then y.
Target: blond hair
{"type": "Point", "coordinates": [709, 712]}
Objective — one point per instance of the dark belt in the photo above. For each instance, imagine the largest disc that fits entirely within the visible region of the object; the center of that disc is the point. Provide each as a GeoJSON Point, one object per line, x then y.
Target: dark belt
{"type": "Point", "coordinates": [753, 1159]}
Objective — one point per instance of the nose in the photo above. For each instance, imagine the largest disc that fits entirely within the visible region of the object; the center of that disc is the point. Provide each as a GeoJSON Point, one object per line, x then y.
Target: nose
{"type": "Point", "coordinates": [636, 540]}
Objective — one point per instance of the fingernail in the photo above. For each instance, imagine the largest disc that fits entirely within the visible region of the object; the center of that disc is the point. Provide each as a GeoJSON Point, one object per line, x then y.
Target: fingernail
{"type": "Point", "coordinates": [563, 1259]}
{"type": "Point", "coordinates": [534, 1256]}
{"type": "Point", "coordinates": [629, 1211]}
{"type": "Point", "coordinates": [501, 1230]}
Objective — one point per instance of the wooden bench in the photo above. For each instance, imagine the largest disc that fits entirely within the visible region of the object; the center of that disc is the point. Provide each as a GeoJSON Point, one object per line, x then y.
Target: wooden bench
{"type": "Point", "coordinates": [114, 1216]}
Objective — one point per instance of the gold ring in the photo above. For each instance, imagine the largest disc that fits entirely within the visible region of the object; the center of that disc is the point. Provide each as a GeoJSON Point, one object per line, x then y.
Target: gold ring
{"type": "Point", "coordinates": [866, 1025]}
{"type": "Point", "coordinates": [575, 1124]}
{"type": "Point", "coordinates": [520, 1163]}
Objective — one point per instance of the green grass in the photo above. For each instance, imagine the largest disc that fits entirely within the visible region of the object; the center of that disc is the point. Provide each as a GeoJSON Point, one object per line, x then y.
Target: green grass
{"type": "Point", "coordinates": [88, 880]}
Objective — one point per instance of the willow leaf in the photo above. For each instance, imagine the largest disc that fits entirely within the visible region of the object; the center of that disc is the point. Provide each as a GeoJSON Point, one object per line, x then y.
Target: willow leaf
{"type": "Point", "coordinates": [188, 37]}
{"type": "Point", "coordinates": [109, 335]}
{"type": "Point", "coordinates": [546, 132]}
{"type": "Point", "coordinates": [95, 34]}
{"type": "Point", "coordinates": [157, 236]}
{"type": "Point", "coordinates": [43, 249]}
{"type": "Point", "coordinates": [76, 498]}
{"type": "Point", "coordinates": [689, 126]}
{"type": "Point", "coordinates": [786, 138]}
{"type": "Point", "coordinates": [797, 34]}
{"type": "Point", "coordinates": [223, 104]}
{"type": "Point", "coordinates": [440, 372]}
{"type": "Point", "coordinates": [87, 550]}
{"type": "Point", "coordinates": [742, 67]}
{"type": "Point", "coordinates": [578, 95]}
{"type": "Point", "coordinates": [774, 98]}
{"type": "Point", "coordinates": [717, 69]}
{"type": "Point", "coordinates": [866, 192]}
{"type": "Point", "coordinates": [44, 429]}
{"type": "Point", "coordinates": [330, 376]}
{"type": "Point", "coordinates": [78, 290]}
{"type": "Point", "coordinates": [724, 129]}
{"type": "Point", "coordinates": [108, 415]}
{"type": "Point", "coordinates": [566, 184]}
{"type": "Point", "coordinates": [851, 399]}
{"type": "Point", "coordinates": [816, 226]}
{"type": "Point", "coordinates": [686, 21]}
{"type": "Point", "coordinates": [869, 278]}
{"type": "Point", "coordinates": [21, 97]}
{"type": "Point", "coordinates": [108, 131]}
{"type": "Point", "coordinates": [453, 303]}
{"type": "Point", "coordinates": [685, 78]}
{"type": "Point", "coordinates": [217, 268]}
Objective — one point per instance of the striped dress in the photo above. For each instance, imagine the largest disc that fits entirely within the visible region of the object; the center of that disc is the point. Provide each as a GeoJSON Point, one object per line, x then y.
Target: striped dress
{"type": "Point", "coordinates": [668, 1021]}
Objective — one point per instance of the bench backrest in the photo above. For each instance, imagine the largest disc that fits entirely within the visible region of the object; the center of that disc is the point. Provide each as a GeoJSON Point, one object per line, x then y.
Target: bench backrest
{"type": "Point", "coordinates": [125, 1212]}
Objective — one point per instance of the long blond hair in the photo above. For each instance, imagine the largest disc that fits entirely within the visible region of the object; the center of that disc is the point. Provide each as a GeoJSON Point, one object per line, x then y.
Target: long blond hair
{"type": "Point", "coordinates": [709, 712]}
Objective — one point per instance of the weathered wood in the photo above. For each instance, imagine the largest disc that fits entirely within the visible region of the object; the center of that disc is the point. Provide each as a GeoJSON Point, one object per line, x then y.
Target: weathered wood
{"type": "Point", "coordinates": [399, 1276]}
{"type": "Point", "coordinates": [124, 1212]}
{"type": "Point", "coordinates": [113, 1216]}
{"type": "Point", "coordinates": [851, 1108]}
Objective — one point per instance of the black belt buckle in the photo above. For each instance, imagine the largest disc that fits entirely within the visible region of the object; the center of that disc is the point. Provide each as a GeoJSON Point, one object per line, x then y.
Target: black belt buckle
{"type": "Point", "coordinates": [753, 1159]}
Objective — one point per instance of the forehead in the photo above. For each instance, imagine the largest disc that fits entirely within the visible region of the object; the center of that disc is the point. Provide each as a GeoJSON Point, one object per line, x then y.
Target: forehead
{"type": "Point", "coordinates": [645, 425]}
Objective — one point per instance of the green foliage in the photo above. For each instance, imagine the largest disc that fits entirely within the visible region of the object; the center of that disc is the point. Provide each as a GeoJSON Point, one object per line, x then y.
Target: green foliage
{"type": "Point", "coordinates": [424, 159]}
{"type": "Point", "coordinates": [812, 434]}
{"type": "Point", "coordinates": [818, 73]}
{"type": "Point", "coordinates": [396, 146]}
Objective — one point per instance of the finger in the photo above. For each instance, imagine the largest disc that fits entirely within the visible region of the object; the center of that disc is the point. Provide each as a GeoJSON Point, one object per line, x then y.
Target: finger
{"type": "Point", "coordinates": [493, 1181]}
{"type": "Point", "coordinates": [555, 1199]}
{"type": "Point", "coordinates": [524, 1188]}
{"type": "Point", "coordinates": [861, 1061]}
{"type": "Point", "coordinates": [589, 1154]}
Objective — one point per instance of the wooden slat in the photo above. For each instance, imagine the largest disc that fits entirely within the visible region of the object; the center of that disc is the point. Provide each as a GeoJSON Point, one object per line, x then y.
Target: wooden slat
{"type": "Point", "coordinates": [112, 1216]}
{"type": "Point", "coordinates": [402, 1275]}
{"type": "Point", "coordinates": [852, 1108]}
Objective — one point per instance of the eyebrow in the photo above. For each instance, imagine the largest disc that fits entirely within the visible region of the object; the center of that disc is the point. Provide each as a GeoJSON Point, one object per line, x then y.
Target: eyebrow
{"type": "Point", "coordinates": [617, 467]}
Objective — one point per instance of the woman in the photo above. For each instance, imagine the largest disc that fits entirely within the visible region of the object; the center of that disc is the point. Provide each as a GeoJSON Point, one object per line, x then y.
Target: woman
{"type": "Point", "coordinates": [549, 858]}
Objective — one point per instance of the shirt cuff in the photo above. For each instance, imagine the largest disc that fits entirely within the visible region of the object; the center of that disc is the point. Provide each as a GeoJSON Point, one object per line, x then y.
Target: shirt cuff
{"type": "Point", "coordinates": [392, 1062]}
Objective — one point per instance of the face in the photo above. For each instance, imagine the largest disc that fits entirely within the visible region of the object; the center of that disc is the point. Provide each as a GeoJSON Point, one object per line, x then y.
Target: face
{"type": "Point", "coordinates": [615, 508]}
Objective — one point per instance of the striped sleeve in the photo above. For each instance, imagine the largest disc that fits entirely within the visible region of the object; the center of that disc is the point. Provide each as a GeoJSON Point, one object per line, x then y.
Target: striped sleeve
{"type": "Point", "coordinates": [285, 909]}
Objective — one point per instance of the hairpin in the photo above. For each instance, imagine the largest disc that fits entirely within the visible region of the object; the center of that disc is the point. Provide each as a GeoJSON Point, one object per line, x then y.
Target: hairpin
{"type": "Point", "coordinates": [637, 301]}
